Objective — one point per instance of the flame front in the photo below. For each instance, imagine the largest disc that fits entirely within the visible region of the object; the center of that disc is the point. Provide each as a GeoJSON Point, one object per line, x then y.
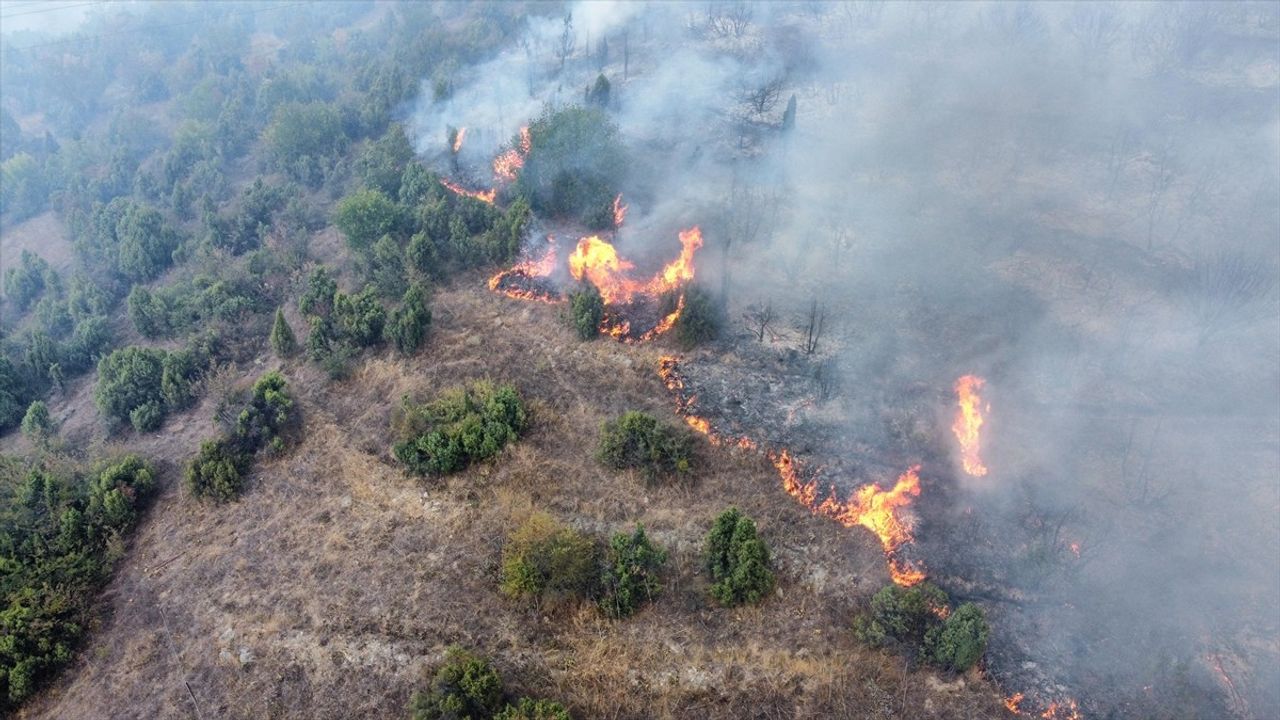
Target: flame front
{"type": "Point", "coordinates": [869, 506]}
{"type": "Point", "coordinates": [968, 423]}
{"type": "Point", "coordinates": [508, 164]}
{"type": "Point", "coordinates": [597, 261]}
{"type": "Point", "coordinates": [515, 281]}
{"type": "Point", "coordinates": [619, 211]}
{"type": "Point", "coordinates": [457, 139]}
{"type": "Point", "coordinates": [487, 196]}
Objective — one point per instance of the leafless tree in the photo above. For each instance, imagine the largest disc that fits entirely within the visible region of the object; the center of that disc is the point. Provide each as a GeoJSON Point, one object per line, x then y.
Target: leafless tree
{"type": "Point", "coordinates": [729, 19]}
{"type": "Point", "coordinates": [759, 318]}
{"type": "Point", "coordinates": [826, 379]}
{"type": "Point", "coordinates": [749, 214]}
{"type": "Point", "coordinates": [1096, 28]}
{"type": "Point", "coordinates": [1162, 174]}
{"type": "Point", "coordinates": [760, 98]}
{"type": "Point", "coordinates": [812, 326]}
{"type": "Point", "coordinates": [564, 48]}
{"type": "Point", "coordinates": [1231, 288]}
{"type": "Point", "coordinates": [626, 53]}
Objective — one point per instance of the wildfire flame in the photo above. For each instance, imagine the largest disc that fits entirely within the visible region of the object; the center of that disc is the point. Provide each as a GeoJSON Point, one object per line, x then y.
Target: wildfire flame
{"type": "Point", "coordinates": [487, 196]}
{"type": "Point", "coordinates": [527, 269]}
{"type": "Point", "coordinates": [968, 423]}
{"type": "Point", "coordinates": [619, 211]}
{"type": "Point", "coordinates": [597, 260]}
{"type": "Point", "coordinates": [869, 506]}
{"type": "Point", "coordinates": [508, 164]}
{"type": "Point", "coordinates": [1066, 710]}
{"type": "Point", "coordinates": [1012, 702]}
{"type": "Point", "coordinates": [457, 139]}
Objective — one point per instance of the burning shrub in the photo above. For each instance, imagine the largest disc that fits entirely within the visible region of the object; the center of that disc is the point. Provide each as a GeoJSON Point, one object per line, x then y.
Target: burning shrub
{"type": "Point", "coordinates": [701, 319]}
{"type": "Point", "coordinates": [462, 426]}
{"type": "Point", "coordinates": [637, 440]}
{"type": "Point", "coordinates": [574, 165]}
{"type": "Point", "coordinates": [630, 575]}
{"type": "Point", "coordinates": [738, 560]}
{"type": "Point", "coordinates": [586, 310]}
{"type": "Point", "coordinates": [902, 614]}
{"type": "Point", "coordinates": [465, 686]}
{"type": "Point", "coordinates": [544, 559]}
{"type": "Point", "coordinates": [960, 640]}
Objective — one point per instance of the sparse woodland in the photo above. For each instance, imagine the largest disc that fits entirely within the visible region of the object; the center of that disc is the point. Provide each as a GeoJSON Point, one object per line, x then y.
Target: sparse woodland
{"type": "Point", "coordinates": [276, 441]}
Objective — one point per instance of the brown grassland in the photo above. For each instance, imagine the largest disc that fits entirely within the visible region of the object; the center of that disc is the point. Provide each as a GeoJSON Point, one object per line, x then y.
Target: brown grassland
{"type": "Point", "coordinates": [333, 586]}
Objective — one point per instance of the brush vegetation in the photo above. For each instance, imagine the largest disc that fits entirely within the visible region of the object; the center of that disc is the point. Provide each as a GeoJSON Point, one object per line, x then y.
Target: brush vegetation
{"type": "Point", "coordinates": [460, 427]}
{"type": "Point", "coordinates": [738, 560]}
{"type": "Point", "coordinates": [639, 441]}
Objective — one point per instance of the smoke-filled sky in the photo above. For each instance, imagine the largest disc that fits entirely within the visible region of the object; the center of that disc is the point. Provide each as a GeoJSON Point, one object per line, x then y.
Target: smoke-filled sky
{"type": "Point", "coordinates": [1078, 202]}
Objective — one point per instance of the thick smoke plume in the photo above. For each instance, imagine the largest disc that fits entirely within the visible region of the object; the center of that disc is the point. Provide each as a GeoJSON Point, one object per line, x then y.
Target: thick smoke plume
{"type": "Point", "coordinates": [1078, 203]}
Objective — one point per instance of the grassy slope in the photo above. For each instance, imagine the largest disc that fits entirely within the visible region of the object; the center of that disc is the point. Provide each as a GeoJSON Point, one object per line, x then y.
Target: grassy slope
{"type": "Point", "coordinates": [346, 579]}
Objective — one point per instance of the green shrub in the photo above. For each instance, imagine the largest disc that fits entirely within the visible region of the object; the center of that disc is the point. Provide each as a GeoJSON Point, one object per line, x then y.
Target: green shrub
{"type": "Point", "coordinates": [215, 472]}
{"type": "Point", "coordinates": [586, 310]}
{"type": "Point", "coordinates": [575, 164]}
{"type": "Point", "coordinates": [462, 426]}
{"type": "Point", "coordinates": [738, 560]}
{"type": "Point", "coordinates": [179, 371]}
{"type": "Point", "coordinates": [904, 615]}
{"type": "Point", "coordinates": [57, 532]}
{"type": "Point", "coordinates": [465, 686]}
{"type": "Point", "coordinates": [283, 341]}
{"type": "Point", "coordinates": [129, 380]}
{"type": "Point", "coordinates": [958, 643]}
{"type": "Point", "coordinates": [637, 440]}
{"type": "Point", "coordinates": [407, 329]}
{"type": "Point", "coordinates": [37, 424]}
{"type": "Point", "coordinates": [531, 709]}
{"type": "Point", "coordinates": [24, 283]}
{"type": "Point", "coordinates": [269, 411]}
{"type": "Point", "coordinates": [630, 576]}
{"type": "Point", "coordinates": [365, 216]}
{"type": "Point", "coordinates": [700, 320]}
{"type": "Point", "coordinates": [545, 560]}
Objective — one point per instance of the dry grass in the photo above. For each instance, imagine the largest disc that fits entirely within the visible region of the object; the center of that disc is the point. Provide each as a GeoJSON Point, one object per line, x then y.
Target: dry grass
{"type": "Point", "coordinates": [346, 580]}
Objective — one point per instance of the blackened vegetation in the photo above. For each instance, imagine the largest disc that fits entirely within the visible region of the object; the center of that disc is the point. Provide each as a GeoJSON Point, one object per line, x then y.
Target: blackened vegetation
{"type": "Point", "coordinates": [61, 529]}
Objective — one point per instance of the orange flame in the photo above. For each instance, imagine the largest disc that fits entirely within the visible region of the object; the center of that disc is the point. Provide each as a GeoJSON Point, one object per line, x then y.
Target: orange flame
{"type": "Point", "coordinates": [531, 269]}
{"type": "Point", "coordinates": [508, 164]}
{"type": "Point", "coordinates": [487, 196]}
{"type": "Point", "coordinates": [457, 139]}
{"type": "Point", "coordinates": [619, 211]}
{"type": "Point", "coordinates": [1067, 710]}
{"type": "Point", "coordinates": [869, 506]}
{"type": "Point", "coordinates": [597, 260]}
{"type": "Point", "coordinates": [1012, 702]}
{"type": "Point", "coordinates": [968, 423]}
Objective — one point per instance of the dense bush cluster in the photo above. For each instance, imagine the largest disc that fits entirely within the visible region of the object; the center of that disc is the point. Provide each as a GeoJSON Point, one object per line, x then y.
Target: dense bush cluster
{"type": "Point", "coordinates": [919, 619]}
{"type": "Point", "coordinates": [141, 385]}
{"type": "Point", "coordinates": [639, 441]}
{"type": "Point", "coordinates": [630, 576]}
{"type": "Point", "coordinates": [462, 426]}
{"type": "Point", "coordinates": [467, 686]}
{"type": "Point", "coordinates": [738, 560]}
{"type": "Point", "coordinates": [60, 532]}
{"type": "Point", "coordinates": [185, 306]}
{"type": "Point", "coordinates": [217, 471]}
{"type": "Point", "coordinates": [700, 320]}
{"type": "Point", "coordinates": [575, 165]}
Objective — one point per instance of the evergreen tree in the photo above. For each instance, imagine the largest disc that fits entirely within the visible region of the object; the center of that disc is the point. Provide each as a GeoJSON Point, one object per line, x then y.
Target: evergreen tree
{"type": "Point", "coordinates": [283, 341]}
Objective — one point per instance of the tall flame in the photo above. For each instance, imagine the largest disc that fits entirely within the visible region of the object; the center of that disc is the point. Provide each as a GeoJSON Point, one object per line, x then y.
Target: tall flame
{"type": "Point", "coordinates": [509, 281]}
{"type": "Point", "coordinates": [968, 423]}
{"type": "Point", "coordinates": [597, 260]}
{"type": "Point", "coordinates": [619, 211]}
{"type": "Point", "coordinates": [869, 506]}
{"type": "Point", "coordinates": [457, 139]}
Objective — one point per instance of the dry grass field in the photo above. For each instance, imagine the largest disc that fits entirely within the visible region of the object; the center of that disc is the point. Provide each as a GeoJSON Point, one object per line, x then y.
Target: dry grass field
{"type": "Point", "coordinates": [336, 582]}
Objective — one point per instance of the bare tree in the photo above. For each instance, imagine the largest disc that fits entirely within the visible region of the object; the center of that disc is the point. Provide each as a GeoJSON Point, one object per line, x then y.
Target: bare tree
{"type": "Point", "coordinates": [564, 48]}
{"type": "Point", "coordinates": [626, 53]}
{"type": "Point", "coordinates": [812, 326]}
{"type": "Point", "coordinates": [1163, 173]}
{"type": "Point", "coordinates": [1096, 28]}
{"type": "Point", "coordinates": [1230, 288]}
{"type": "Point", "coordinates": [749, 214]}
{"type": "Point", "coordinates": [759, 318]}
{"type": "Point", "coordinates": [760, 98]}
{"type": "Point", "coordinates": [729, 19]}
